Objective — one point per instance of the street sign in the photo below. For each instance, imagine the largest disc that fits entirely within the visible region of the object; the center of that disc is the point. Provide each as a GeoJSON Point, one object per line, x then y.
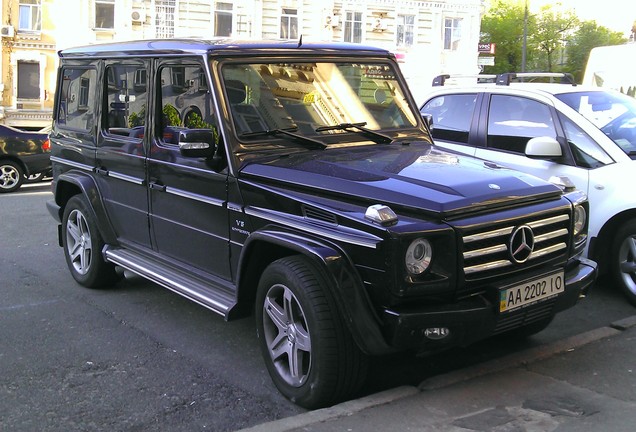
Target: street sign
{"type": "Point", "coordinates": [486, 61]}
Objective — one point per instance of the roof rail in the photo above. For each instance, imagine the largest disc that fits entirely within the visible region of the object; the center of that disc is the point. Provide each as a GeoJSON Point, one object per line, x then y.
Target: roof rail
{"type": "Point", "coordinates": [440, 80]}
{"type": "Point", "coordinates": [507, 78]}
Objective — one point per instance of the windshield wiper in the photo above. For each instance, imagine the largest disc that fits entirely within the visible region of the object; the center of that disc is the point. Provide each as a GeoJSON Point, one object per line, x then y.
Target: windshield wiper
{"type": "Point", "coordinates": [306, 141]}
{"type": "Point", "coordinates": [376, 136]}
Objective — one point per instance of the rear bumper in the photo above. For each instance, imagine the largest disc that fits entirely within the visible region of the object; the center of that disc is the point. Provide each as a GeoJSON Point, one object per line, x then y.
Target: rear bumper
{"type": "Point", "coordinates": [477, 318]}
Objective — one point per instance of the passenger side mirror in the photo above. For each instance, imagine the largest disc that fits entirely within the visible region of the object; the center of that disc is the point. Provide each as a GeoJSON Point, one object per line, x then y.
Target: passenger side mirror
{"type": "Point", "coordinates": [543, 147]}
{"type": "Point", "coordinates": [197, 143]}
{"type": "Point", "coordinates": [428, 119]}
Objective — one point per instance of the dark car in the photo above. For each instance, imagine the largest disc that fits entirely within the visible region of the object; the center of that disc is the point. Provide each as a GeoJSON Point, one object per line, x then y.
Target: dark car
{"type": "Point", "coordinates": [298, 182]}
{"type": "Point", "coordinates": [24, 155]}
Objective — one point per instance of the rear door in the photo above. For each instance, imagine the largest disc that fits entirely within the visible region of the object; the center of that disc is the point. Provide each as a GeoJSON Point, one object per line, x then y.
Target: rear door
{"type": "Point", "coordinates": [121, 151]}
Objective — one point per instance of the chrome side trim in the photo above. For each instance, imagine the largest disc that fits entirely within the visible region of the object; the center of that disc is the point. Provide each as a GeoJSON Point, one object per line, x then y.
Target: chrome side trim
{"type": "Point", "coordinates": [194, 196]}
{"type": "Point", "coordinates": [71, 163]}
{"type": "Point", "coordinates": [126, 177]}
{"type": "Point", "coordinates": [302, 225]}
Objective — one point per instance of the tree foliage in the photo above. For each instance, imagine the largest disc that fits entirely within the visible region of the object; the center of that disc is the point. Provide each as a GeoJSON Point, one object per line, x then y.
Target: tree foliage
{"type": "Point", "coordinates": [580, 43]}
{"type": "Point", "coordinates": [556, 40]}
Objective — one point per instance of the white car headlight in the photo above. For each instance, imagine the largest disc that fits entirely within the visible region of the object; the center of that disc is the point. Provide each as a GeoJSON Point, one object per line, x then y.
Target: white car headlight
{"type": "Point", "coordinates": [580, 219]}
{"type": "Point", "coordinates": [418, 256]}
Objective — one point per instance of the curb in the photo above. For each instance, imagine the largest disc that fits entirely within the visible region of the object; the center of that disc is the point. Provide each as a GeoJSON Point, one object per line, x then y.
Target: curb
{"type": "Point", "coordinates": [510, 361]}
{"type": "Point", "coordinates": [344, 409]}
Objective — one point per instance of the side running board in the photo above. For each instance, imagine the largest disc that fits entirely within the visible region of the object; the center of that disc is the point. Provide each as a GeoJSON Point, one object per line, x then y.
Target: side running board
{"type": "Point", "coordinates": [181, 283]}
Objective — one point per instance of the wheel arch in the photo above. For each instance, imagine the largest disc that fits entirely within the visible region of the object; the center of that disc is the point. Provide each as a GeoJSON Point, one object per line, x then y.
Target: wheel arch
{"type": "Point", "coordinates": [599, 246]}
{"type": "Point", "coordinates": [15, 160]}
{"type": "Point", "coordinates": [345, 285]}
{"type": "Point", "coordinates": [70, 184]}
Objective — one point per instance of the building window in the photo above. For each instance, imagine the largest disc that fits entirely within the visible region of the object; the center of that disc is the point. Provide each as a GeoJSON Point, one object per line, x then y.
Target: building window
{"type": "Point", "coordinates": [222, 19]}
{"type": "Point", "coordinates": [105, 14]}
{"type": "Point", "coordinates": [30, 18]}
{"type": "Point", "coordinates": [289, 24]}
{"type": "Point", "coordinates": [405, 30]}
{"type": "Point", "coordinates": [452, 33]}
{"type": "Point", "coordinates": [28, 80]}
{"type": "Point", "coordinates": [164, 18]}
{"type": "Point", "coordinates": [84, 96]}
{"type": "Point", "coordinates": [353, 27]}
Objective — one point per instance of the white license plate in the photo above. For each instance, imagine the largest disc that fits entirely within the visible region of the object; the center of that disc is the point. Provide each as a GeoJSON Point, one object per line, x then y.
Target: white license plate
{"type": "Point", "coordinates": [530, 292]}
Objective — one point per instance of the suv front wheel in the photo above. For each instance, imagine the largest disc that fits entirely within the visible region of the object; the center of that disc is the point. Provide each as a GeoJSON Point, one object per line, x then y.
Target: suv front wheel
{"type": "Point", "coordinates": [624, 260]}
{"type": "Point", "coordinates": [83, 246]}
{"type": "Point", "coordinates": [308, 351]}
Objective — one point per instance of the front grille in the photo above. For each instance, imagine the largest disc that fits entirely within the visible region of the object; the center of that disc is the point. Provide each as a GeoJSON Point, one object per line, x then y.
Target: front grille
{"type": "Point", "coordinates": [524, 317]}
{"type": "Point", "coordinates": [486, 249]}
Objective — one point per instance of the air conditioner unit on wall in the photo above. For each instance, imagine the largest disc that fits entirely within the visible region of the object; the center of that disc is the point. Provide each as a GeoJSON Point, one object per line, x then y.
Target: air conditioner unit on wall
{"type": "Point", "coordinates": [332, 20]}
{"type": "Point", "coordinates": [7, 31]}
{"type": "Point", "coordinates": [138, 15]}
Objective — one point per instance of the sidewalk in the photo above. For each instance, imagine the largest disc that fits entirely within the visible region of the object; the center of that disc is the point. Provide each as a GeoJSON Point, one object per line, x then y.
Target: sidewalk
{"type": "Point", "coordinates": [583, 383]}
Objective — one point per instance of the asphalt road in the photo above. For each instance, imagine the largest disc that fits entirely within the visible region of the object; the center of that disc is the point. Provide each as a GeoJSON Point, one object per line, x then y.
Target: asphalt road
{"type": "Point", "coordinates": [138, 357]}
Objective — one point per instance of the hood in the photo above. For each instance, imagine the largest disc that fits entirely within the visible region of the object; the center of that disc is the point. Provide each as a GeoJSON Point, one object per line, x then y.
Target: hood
{"type": "Point", "coordinates": [415, 175]}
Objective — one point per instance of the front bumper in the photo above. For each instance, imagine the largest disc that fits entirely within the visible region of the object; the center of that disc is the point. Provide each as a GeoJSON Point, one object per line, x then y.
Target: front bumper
{"type": "Point", "coordinates": [477, 318]}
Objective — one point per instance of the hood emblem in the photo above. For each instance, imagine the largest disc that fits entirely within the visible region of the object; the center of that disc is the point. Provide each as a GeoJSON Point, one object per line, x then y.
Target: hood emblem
{"type": "Point", "coordinates": [521, 244]}
{"type": "Point", "coordinates": [494, 186]}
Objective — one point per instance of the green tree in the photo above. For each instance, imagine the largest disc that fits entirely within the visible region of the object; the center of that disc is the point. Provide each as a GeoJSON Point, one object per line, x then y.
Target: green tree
{"type": "Point", "coordinates": [552, 30]}
{"type": "Point", "coordinates": [589, 35]}
{"type": "Point", "coordinates": [503, 25]}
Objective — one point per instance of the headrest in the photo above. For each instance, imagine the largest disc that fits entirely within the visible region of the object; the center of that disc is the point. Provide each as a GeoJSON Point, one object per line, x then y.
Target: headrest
{"type": "Point", "coordinates": [236, 91]}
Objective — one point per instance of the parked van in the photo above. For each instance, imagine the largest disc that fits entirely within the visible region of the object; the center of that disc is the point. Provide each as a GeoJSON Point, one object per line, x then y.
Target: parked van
{"type": "Point", "coordinates": [613, 67]}
{"type": "Point", "coordinates": [297, 181]}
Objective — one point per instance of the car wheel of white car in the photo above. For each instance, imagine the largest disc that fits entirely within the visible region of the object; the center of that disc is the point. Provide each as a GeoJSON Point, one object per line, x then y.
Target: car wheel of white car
{"type": "Point", "coordinates": [624, 260]}
{"type": "Point", "coordinates": [11, 176]}
{"type": "Point", "coordinates": [308, 350]}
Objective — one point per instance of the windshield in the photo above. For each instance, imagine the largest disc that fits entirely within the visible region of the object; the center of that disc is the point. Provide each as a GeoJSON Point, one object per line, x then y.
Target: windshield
{"type": "Point", "coordinates": [612, 112]}
{"type": "Point", "coordinates": [315, 99]}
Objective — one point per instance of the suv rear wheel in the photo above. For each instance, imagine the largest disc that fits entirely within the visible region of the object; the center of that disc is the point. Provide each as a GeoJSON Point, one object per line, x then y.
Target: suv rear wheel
{"type": "Point", "coordinates": [307, 348]}
{"type": "Point", "coordinates": [11, 176]}
{"type": "Point", "coordinates": [624, 260]}
{"type": "Point", "coordinates": [83, 246]}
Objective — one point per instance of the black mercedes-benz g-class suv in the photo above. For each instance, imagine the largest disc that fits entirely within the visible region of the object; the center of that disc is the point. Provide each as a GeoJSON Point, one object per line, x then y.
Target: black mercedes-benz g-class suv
{"type": "Point", "coordinates": [299, 182]}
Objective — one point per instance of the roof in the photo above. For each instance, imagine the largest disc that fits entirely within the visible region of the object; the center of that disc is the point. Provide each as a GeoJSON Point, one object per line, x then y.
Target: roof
{"type": "Point", "coordinates": [192, 46]}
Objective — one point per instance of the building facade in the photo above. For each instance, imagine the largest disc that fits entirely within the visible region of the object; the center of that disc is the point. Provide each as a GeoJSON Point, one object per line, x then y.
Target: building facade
{"type": "Point", "coordinates": [429, 37]}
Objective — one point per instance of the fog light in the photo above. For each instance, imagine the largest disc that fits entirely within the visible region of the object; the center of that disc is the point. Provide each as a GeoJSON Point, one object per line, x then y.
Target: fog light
{"type": "Point", "coordinates": [437, 333]}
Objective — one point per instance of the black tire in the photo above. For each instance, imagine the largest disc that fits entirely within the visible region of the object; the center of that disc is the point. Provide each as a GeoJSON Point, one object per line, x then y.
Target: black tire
{"type": "Point", "coordinates": [11, 176]}
{"type": "Point", "coordinates": [297, 319]}
{"type": "Point", "coordinates": [623, 260]}
{"type": "Point", "coordinates": [83, 246]}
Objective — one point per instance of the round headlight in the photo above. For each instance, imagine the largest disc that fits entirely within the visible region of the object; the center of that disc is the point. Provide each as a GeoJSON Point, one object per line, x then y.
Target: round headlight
{"type": "Point", "coordinates": [580, 217]}
{"type": "Point", "coordinates": [418, 256]}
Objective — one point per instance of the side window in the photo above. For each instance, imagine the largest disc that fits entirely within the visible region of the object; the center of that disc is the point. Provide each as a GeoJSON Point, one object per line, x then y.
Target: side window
{"type": "Point", "coordinates": [513, 120]}
{"type": "Point", "coordinates": [452, 115]}
{"type": "Point", "coordinates": [184, 100]}
{"type": "Point", "coordinates": [587, 153]}
{"type": "Point", "coordinates": [125, 100]}
{"type": "Point", "coordinates": [76, 99]}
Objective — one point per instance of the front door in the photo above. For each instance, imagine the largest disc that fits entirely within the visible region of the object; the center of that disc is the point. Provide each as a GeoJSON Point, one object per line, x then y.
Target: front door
{"type": "Point", "coordinates": [188, 213]}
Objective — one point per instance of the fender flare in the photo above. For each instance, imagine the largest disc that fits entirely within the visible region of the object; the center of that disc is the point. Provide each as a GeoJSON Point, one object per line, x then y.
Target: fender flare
{"type": "Point", "coordinates": [72, 183]}
{"type": "Point", "coordinates": [345, 284]}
